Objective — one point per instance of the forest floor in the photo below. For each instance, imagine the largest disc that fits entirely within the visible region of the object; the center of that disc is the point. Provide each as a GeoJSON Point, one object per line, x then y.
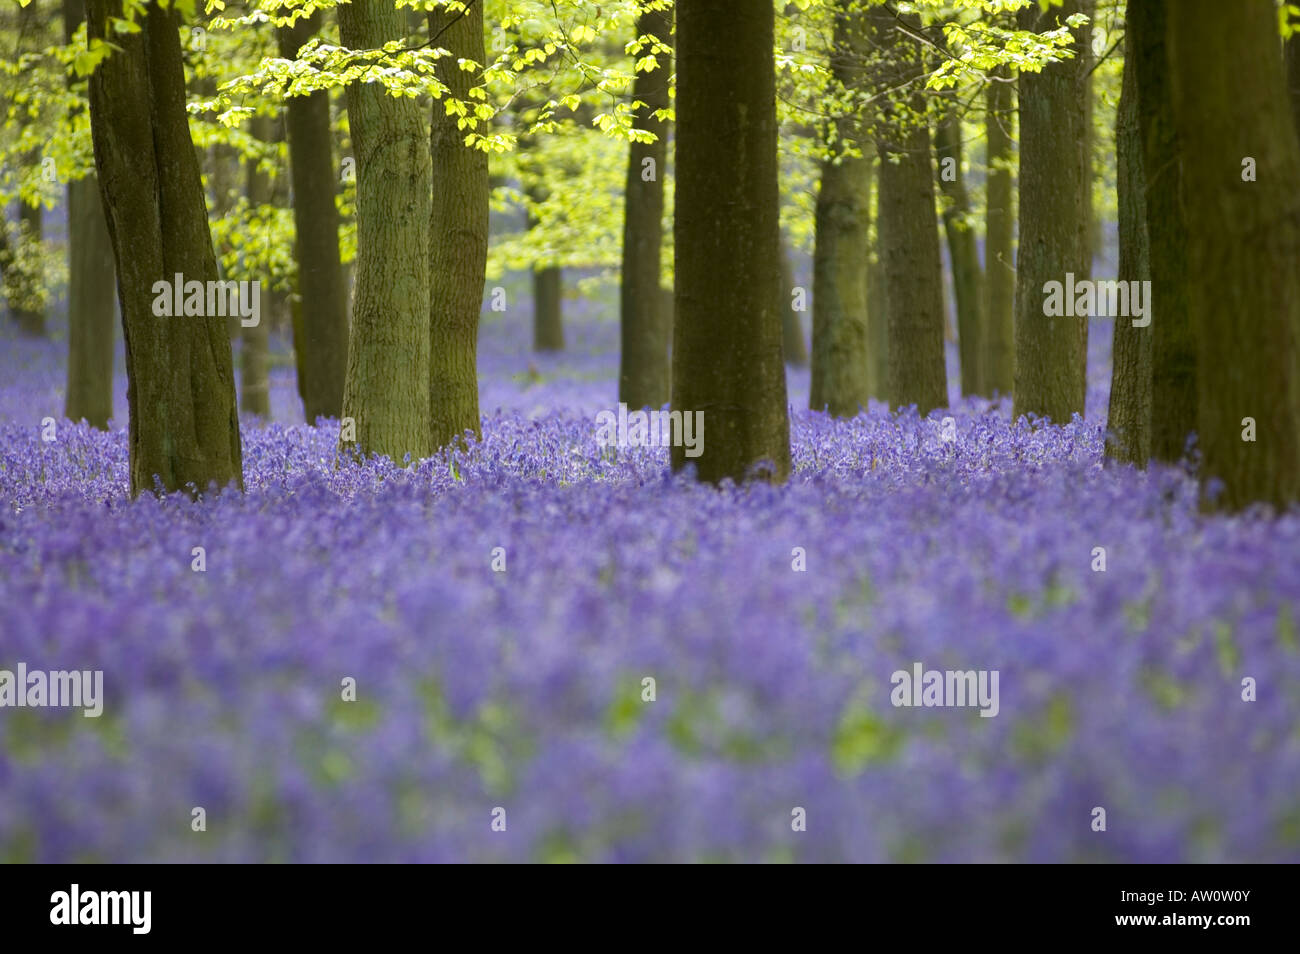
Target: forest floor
{"type": "Point", "coordinates": [653, 670]}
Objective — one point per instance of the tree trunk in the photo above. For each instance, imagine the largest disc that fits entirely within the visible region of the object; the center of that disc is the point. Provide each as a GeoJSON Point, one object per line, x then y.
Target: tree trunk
{"type": "Point", "coordinates": [184, 430]}
{"type": "Point", "coordinates": [967, 277]}
{"type": "Point", "coordinates": [386, 392]}
{"type": "Point", "coordinates": [1051, 351]}
{"type": "Point", "coordinates": [458, 240]}
{"type": "Point", "coordinates": [254, 351]}
{"type": "Point", "coordinates": [1091, 224]}
{"type": "Point", "coordinates": [91, 285]}
{"type": "Point", "coordinates": [727, 337]}
{"type": "Point", "coordinates": [842, 229]}
{"type": "Point", "coordinates": [548, 315]}
{"type": "Point", "coordinates": [91, 288]}
{"type": "Point", "coordinates": [1293, 76]}
{"type": "Point", "coordinates": [1244, 294]}
{"type": "Point", "coordinates": [643, 379]}
{"type": "Point", "coordinates": [792, 341]}
{"type": "Point", "coordinates": [909, 233]}
{"type": "Point", "coordinates": [1173, 354]}
{"type": "Point", "coordinates": [998, 363]}
{"type": "Point", "coordinates": [877, 303]}
{"type": "Point", "coordinates": [320, 339]}
{"type": "Point", "coordinates": [1130, 380]}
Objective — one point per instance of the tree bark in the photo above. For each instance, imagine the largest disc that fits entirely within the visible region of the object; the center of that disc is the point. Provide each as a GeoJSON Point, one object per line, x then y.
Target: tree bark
{"type": "Point", "coordinates": [842, 234]}
{"type": "Point", "coordinates": [644, 369]}
{"type": "Point", "coordinates": [1244, 294]}
{"type": "Point", "coordinates": [793, 344]}
{"type": "Point", "coordinates": [998, 363]}
{"type": "Point", "coordinates": [1051, 351]}
{"type": "Point", "coordinates": [255, 346]}
{"type": "Point", "coordinates": [1130, 381]}
{"type": "Point", "coordinates": [386, 392]}
{"type": "Point", "coordinates": [909, 232]}
{"type": "Point", "coordinates": [458, 240]}
{"type": "Point", "coordinates": [727, 361]}
{"type": "Point", "coordinates": [548, 311]}
{"type": "Point", "coordinates": [1173, 357]}
{"type": "Point", "coordinates": [877, 302]}
{"type": "Point", "coordinates": [967, 276]}
{"type": "Point", "coordinates": [184, 430]}
{"type": "Point", "coordinates": [320, 339]}
{"type": "Point", "coordinates": [91, 288]}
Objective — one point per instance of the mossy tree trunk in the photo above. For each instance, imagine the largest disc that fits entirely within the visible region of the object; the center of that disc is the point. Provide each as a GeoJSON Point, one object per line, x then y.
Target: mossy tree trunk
{"type": "Point", "coordinates": [909, 232]}
{"type": "Point", "coordinates": [458, 240]}
{"type": "Point", "coordinates": [184, 430]}
{"type": "Point", "coordinates": [386, 392]}
{"type": "Point", "coordinates": [842, 231]}
{"type": "Point", "coordinates": [644, 370]}
{"type": "Point", "coordinates": [727, 360]}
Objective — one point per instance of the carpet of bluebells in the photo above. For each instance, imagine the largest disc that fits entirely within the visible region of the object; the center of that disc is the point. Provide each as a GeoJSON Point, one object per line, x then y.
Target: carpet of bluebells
{"type": "Point", "coordinates": [523, 689]}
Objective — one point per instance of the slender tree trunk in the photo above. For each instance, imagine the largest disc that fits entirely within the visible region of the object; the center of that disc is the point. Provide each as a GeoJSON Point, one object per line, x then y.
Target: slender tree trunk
{"type": "Point", "coordinates": [909, 233]}
{"type": "Point", "coordinates": [91, 288]}
{"type": "Point", "coordinates": [1293, 76]}
{"type": "Point", "coordinates": [1051, 351]}
{"type": "Point", "coordinates": [91, 285]}
{"type": "Point", "coordinates": [184, 430]}
{"type": "Point", "coordinates": [255, 347]}
{"type": "Point", "coordinates": [793, 344]}
{"type": "Point", "coordinates": [998, 363]}
{"type": "Point", "coordinates": [320, 339]}
{"type": "Point", "coordinates": [1130, 381]}
{"type": "Point", "coordinates": [458, 243]}
{"type": "Point", "coordinates": [727, 337]}
{"type": "Point", "coordinates": [967, 276]}
{"type": "Point", "coordinates": [877, 303]}
{"type": "Point", "coordinates": [1091, 225]}
{"type": "Point", "coordinates": [843, 229]}
{"type": "Point", "coordinates": [386, 393]}
{"type": "Point", "coordinates": [548, 313]}
{"type": "Point", "coordinates": [1244, 294]}
{"type": "Point", "coordinates": [643, 379]}
{"type": "Point", "coordinates": [1173, 358]}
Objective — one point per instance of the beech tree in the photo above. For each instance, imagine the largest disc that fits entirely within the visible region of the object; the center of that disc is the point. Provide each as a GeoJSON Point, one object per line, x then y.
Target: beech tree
{"type": "Point", "coordinates": [386, 391]}
{"type": "Point", "coordinates": [91, 286]}
{"type": "Point", "coordinates": [840, 360]}
{"type": "Point", "coordinates": [727, 360]}
{"type": "Point", "coordinates": [320, 327]}
{"type": "Point", "coordinates": [909, 235]}
{"type": "Point", "coordinates": [1239, 145]}
{"type": "Point", "coordinates": [458, 236]}
{"type": "Point", "coordinates": [1130, 381]}
{"type": "Point", "coordinates": [644, 323]}
{"type": "Point", "coordinates": [1051, 351]}
{"type": "Point", "coordinates": [184, 430]}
